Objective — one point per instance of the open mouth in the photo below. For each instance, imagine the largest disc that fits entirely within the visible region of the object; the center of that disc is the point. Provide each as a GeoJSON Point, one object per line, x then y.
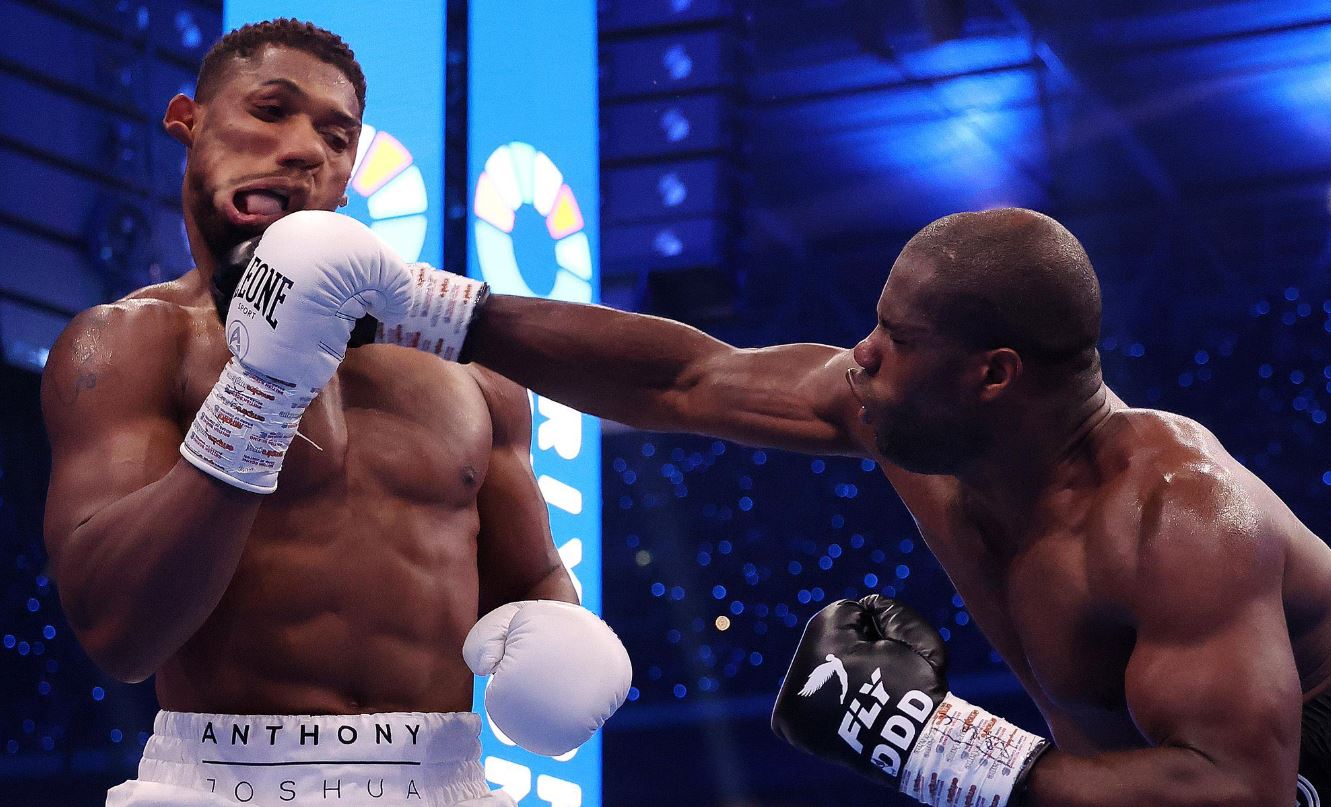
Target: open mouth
{"type": "Point", "coordinates": [256, 206]}
{"type": "Point", "coordinates": [262, 202]}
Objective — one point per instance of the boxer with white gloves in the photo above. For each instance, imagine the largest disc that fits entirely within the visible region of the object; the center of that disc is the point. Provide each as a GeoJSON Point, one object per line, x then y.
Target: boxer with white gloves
{"type": "Point", "coordinates": [559, 673]}
{"type": "Point", "coordinates": [306, 637]}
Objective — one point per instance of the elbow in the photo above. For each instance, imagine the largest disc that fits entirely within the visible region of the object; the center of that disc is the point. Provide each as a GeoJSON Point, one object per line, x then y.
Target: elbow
{"type": "Point", "coordinates": [108, 635]}
{"type": "Point", "coordinates": [1229, 788]}
{"type": "Point", "coordinates": [115, 649]}
{"type": "Point", "coordinates": [118, 657]}
{"type": "Point", "coordinates": [670, 410]}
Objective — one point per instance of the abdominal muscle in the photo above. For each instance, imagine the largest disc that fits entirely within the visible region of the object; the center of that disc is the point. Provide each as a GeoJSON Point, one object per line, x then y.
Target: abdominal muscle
{"type": "Point", "coordinates": [341, 604]}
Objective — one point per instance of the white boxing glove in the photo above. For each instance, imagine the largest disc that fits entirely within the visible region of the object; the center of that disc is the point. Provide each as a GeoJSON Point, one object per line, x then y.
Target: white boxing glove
{"type": "Point", "coordinates": [559, 672]}
{"type": "Point", "coordinates": [312, 275]}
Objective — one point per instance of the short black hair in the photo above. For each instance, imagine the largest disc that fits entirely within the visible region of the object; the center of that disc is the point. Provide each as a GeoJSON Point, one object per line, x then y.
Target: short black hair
{"type": "Point", "coordinates": [1013, 278]}
{"type": "Point", "coordinates": [248, 39]}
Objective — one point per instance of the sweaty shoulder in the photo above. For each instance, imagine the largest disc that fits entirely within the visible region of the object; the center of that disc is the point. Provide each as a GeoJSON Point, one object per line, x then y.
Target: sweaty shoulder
{"type": "Point", "coordinates": [132, 344]}
{"type": "Point", "coordinates": [1164, 458]}
{"type": "Point", "coordinates": [1198, 511]}
{"type": "Point", "coordinates": [131, 331]}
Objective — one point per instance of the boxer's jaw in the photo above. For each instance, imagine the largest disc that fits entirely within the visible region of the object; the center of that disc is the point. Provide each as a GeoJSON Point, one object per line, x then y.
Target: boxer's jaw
{"type": "Point", "coordinates": [927, 439]}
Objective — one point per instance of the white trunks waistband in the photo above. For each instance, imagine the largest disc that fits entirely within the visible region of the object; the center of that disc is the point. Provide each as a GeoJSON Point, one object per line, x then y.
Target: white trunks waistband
{"type": "Point", "coordinates": [381, 759]}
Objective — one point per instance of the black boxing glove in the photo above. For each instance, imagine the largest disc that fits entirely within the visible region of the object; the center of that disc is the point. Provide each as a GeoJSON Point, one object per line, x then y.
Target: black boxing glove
{"type": "Point", "coordinates": [867, 689]}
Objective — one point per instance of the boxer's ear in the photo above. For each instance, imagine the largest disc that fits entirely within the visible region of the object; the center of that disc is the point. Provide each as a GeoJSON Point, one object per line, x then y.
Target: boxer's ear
{"type": "Point", "coordinates": [1000, 370]}
{"type": "Point", "coordinates": [181, 115]}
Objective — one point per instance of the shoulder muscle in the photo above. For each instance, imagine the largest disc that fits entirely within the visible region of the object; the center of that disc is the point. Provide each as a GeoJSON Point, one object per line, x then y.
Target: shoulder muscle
{"type": "Point", "coordinates": [509, 403]}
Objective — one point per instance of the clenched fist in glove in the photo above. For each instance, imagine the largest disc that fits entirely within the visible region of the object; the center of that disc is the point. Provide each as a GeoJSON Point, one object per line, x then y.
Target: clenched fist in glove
{"type": "Point", "coordinates": [559, 672]}
{"type": "Point", "coordinates": [867, 689]}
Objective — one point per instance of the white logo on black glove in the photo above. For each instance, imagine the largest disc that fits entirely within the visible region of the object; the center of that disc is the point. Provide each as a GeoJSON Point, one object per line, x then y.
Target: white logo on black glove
{"type": "Point", "coordinates": [822, 674]}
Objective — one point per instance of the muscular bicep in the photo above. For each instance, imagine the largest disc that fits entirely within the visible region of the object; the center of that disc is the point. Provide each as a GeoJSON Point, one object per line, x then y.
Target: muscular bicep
{"type": "Point", "coordinates": [516, 555]}
{"type": "Point", "coordinates": [1230, 693]}
{"type": "Point", "coordinates": [789, 396]}
{"type": "Point", "coordinates": [109, 413]}
{"type": "Point", "coordinates": [1213, 668]}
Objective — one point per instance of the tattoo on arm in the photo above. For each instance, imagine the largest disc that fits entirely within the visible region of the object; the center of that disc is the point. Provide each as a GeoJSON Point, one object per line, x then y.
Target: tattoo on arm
{"type": "Point", "coordinates": [86, 380]}
{"type": "Point", "coordinates": [87, 352]}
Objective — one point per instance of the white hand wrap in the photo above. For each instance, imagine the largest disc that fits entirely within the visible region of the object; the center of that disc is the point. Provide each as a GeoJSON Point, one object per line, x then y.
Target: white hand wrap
{"type": "Point", "coordinates": [966, 756]}
{"type": "Point", "coordinates": [244, 427]}
{"type": "Point", "coordinates": [559, 672]}
{"type": "Point", "coordinates": [442, 307]}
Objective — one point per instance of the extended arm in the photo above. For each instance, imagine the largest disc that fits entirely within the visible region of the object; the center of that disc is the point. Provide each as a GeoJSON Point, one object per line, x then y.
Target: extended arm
{"type": "Point", "coordinates": [1211, 681]}
{"type": "Point", "coordinates": [142, 545]}
{"type": "Point", "coordinates": [658, 374]}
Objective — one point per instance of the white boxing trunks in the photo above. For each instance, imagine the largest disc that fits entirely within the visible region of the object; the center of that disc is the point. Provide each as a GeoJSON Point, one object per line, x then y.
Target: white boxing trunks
{"type": "Point", "coordinates": [395, 758]}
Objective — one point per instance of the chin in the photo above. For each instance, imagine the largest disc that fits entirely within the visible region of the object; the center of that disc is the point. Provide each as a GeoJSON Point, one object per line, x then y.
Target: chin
{"type": "Point", "coordinates": [940, 453]}
{"type": "Point", "coordinates": [224, 235]}
{"type": "Point", "coordinates": [916, 463]}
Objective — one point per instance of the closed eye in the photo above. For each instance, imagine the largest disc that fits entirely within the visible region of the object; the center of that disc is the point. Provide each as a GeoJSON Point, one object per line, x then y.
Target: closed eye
{"type": "Point", "coordinates": [336, 141]}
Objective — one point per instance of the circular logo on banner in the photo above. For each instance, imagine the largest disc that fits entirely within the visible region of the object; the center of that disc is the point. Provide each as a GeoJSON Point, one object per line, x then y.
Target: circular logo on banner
{"type": "Point", "coordinates": [518, 182]}
{"type": "Point", "coordinates": [389, 192]}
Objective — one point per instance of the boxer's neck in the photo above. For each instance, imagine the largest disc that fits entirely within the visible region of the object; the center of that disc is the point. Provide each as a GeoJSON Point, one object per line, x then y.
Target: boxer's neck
{"type": "Point", "coordinates": [1050, 447]}
{"type": "Point", "coordinates": [205, 262]}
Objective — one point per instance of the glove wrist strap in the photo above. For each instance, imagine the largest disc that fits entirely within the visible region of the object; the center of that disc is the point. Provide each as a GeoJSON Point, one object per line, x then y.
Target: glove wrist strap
{"type": "Point", "coordinates": [967, 756]}
{"type": "Point", "coordinates": [443, 306]}
{"type": "Point", "coordinates": [241, 433]}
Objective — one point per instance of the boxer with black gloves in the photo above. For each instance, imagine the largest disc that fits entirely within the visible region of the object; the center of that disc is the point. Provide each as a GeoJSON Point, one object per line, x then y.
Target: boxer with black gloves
{"type": "Point", "coordinates": [1168, 615]}
{"type": "Point", "coordinates": [892, 718]}
{"type": "Point", "coordinates": [296, 538]}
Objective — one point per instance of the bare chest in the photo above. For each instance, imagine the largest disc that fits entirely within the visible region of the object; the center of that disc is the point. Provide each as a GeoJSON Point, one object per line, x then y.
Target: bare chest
{"type": "Point", "coordinates": [1051, 613]}
{"type": "Point", "coordinates": [392, 422]}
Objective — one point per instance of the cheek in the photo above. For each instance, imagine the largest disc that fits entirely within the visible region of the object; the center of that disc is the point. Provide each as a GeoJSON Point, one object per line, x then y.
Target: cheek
{"type": "Point", "coordinates": [218, 148]}
{"type": "Point", "coordinates": [914, 385]}
{"type": "Point", "coordinates": [340, 175]}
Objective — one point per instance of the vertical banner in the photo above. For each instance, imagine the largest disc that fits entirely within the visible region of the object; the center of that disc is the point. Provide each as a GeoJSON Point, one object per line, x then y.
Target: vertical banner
{"type": "Point", "coordinates": [533, 221]}
{"type": "Point", "coordinates": [397, 184]}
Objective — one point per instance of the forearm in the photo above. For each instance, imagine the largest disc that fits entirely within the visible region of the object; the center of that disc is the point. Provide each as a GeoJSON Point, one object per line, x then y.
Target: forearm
{"type": "Point", "coordinates": [141, 575]}
{"type": "Point", "coordinates": [555, 586]}
{"type": "Point", "coordinates": [1160, 777]}
{"type": "Point", "coordinates": [609, 363]}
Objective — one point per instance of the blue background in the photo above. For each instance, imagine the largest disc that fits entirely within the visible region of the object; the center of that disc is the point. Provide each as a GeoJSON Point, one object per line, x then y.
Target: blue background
{"type": "Point", "coordinates": [532, 79]}
{"type": "Point", "coordinates": [761, 164]}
